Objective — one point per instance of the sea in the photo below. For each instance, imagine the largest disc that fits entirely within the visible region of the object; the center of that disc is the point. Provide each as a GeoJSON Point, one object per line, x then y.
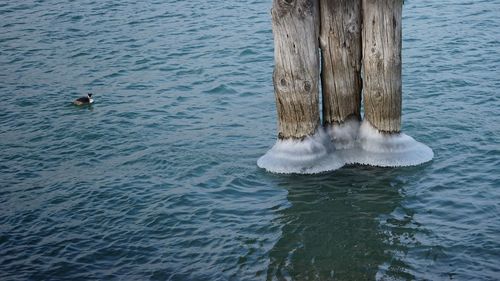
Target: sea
{"type": "Point", "coordinates": [158, 180]}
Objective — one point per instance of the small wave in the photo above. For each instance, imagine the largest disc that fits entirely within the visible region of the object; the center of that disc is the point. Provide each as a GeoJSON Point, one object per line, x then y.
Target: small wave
{"type": "Point", "coordinates": [221, 89]}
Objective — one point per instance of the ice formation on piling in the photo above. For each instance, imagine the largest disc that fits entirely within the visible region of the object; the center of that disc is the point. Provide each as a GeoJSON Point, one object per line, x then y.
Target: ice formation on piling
{"type": "Point", "coordinates": [340, 144]}
{"type": "Point", "coordinates": [314, 154]}
{"type": "Point", "coordinates": [386, 150]}
{"type": "Point", "coordinates": [344, 135]}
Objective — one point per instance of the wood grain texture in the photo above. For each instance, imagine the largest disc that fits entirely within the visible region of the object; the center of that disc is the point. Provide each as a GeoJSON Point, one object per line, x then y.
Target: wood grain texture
{"type": "Point", "coordinates": [340, 42]}
{"type": "Point", "coordinates": [382, 91]}
{"type": "Point", "coordinates": [296, 73]}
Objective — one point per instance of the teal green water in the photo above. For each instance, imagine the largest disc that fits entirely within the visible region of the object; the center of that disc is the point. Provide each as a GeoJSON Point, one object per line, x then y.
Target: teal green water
{"type": "Point", "coordinates": [158, 179]}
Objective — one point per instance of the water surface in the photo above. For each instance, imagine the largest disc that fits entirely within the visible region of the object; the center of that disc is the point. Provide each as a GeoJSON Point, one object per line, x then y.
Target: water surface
{"type": "Point", "coordinates": [158, 180]}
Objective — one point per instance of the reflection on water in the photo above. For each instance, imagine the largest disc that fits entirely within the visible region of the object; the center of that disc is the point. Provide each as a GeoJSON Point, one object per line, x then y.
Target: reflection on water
{"type": "Point", "coordinates": [339, 227]}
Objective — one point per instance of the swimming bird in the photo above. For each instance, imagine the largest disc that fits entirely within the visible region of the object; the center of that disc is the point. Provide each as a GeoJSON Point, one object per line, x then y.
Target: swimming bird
{"type": "Point", "coordinates": [84, 100]}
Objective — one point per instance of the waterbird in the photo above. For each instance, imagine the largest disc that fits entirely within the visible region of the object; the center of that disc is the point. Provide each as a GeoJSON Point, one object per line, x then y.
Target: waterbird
{"type": "Point", "coordinates": [84, 100]}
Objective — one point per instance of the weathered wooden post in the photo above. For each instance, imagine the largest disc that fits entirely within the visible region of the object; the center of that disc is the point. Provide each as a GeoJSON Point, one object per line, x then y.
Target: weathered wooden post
{"type": "Point", "coordinates": [302, 147]}
{"type": "Point", "coordinates": [296, 70]}
{"type": "Point", "coordinates": [380, 134]}
{"type": "Point", "coordinates": [340, 41]}
{"type": "Point", "coordinates": [382, 64]}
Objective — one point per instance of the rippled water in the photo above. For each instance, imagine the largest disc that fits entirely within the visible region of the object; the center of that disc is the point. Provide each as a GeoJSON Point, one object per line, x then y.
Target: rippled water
{"type": "Point", "coordinates": [158, 180]}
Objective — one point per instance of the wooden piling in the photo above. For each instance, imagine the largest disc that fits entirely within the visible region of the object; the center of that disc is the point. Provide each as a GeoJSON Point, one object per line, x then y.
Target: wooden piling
{"type": "Point", "coordinates": [382, 63]}
{"type": "Point", "coordinates": [340, 42]}
{"type": "Point", "coordinates": [296, 73]}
